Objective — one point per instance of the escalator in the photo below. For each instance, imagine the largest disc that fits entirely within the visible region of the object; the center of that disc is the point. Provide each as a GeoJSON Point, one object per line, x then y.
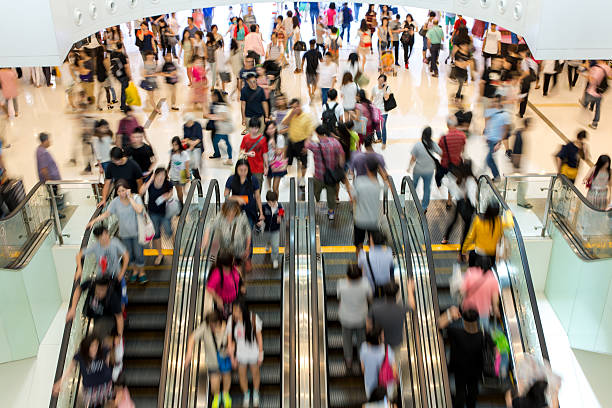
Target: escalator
{"type": "Point", "coordinates": [343, 386]}
{"type": "Point", "coordinates": [264, 294]}
{"type": "Point", "coordinates": [520, 317]}
{"type": "Point", "coordinates": [150, 313]}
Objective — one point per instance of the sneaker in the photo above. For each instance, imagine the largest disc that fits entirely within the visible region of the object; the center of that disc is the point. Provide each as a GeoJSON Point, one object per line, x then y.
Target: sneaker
{"type": "Point", "coordinates": [133, 278]}
{"type": "Point", "coordinates": [274, 264]}
{"type": "Point", "coordinates": [215, 401]}
{"type": "Point", "coordinates": [214, 156]}
{"type": "Point", "coordinates": [142, 279]}
{"type": "Point", "coordinates": [330, 215]}
{"type": "Point", "coordinates": [228, 162]}
{"type": "Point", "coordinates": [246, 399]}
{"type": "Point", "coordinates": [227, 400]}
{"type": "Point", "coordinates": [255, 399]}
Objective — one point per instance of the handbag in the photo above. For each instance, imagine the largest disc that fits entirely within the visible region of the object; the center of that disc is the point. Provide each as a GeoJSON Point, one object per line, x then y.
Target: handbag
{"type": "Point", "coordinates": [132, 97]}
{"type": "Point", "coordinates": [423, 31]}
{"type": "Point", "coordinates": [146, 229]}
{"type": "Point", "coordinates": [331, 176]}
{"type": "Point", "coordinates": [224, 363]}
{"type": "Point", "coordinates": [299, 46]}
{"type": "Point", "coordinates": [278, 164]}
{"type": "Point", "coordinates": [456, 281]}
{"type": "Point", "coordinates": [439, 170]}
{"type": "Point", "coordinates": [361, 80]}
{"type": "Point", "coordinates": [389, 103]}
{"type": "Point", "coordinates": [173, 207]}
{"type": "Point", "coordinates": [386, 376]}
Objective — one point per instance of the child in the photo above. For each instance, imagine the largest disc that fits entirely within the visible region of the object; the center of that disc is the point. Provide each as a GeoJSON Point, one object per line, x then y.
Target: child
{"type": "Point", "coordinates": [334, 44]}
{"type": "Point", "coordinates": [170, 72]}
{"type": "Point", "coordinates": [273, 213]}
{"type": "Point", "coordinates": [224, 283]}
{"type": "Point", "coordinates": [254, 146]}
{"type": "Point", "coordinates": [178, 168]}
{"type": "Point", "coordinates": [212, 333]}
{"type": "Point", "coordinates": [245, 345]}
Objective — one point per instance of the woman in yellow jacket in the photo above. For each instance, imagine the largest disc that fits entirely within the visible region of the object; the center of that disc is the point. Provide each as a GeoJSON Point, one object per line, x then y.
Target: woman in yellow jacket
{"type": "Point", "coordinates": [484, 234]}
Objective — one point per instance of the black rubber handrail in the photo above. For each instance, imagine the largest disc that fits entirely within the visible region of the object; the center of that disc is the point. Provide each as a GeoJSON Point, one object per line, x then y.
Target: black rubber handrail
{"type": "Point", "coordinates": [213, 188]}
{"type": "Point", "coordinates": [176, 255]}
{"type": "Point", "coordinates": [290, 239]}
{"type": "Point", "coordinates": [316, 347]}
{"type": "Point", "coordinates": [407, 181]}
{"type": "Point", "coordinates": [61, 360]}
{"type": "Point", "coordinates": [521, 247]}
{"type": "Point", "coordinates": [22, 204]}
{"type": "Point", "coordinates": [568, 184]}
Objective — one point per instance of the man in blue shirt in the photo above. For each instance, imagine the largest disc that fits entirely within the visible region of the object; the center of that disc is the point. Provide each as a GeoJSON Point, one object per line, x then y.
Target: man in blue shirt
{"type": "Point", "coordinates": [347, 17]}
{"type": "Point", "coordinates": [497, 125]}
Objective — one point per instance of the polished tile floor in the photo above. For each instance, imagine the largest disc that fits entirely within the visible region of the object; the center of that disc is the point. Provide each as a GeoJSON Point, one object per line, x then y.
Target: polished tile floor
{"type": "Point", "coordinates": [422, 101]}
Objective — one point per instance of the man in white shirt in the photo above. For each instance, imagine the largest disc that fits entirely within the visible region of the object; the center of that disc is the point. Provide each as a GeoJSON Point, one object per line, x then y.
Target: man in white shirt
{"type": "Point", "coordinates": [492, 43]}
{"type": "Point", "coordinates": [327, 73]}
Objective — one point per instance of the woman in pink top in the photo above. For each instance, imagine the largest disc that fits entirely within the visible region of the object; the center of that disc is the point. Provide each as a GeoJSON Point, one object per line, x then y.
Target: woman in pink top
{"type": "Point", "coordinates": [10, 87]}
{"type": "Point", "coordinates": [331, 15]}
{"type": "Point", "coordinates": [224, 283]}
{"type": "Point", "coordinates": [480, 292]}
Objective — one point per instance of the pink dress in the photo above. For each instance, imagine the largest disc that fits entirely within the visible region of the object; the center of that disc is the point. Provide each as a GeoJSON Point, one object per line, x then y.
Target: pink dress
{"type": "Point", "coordinates": [8, 79]}
{"type": "Point", "coordinates": [231, 285]}
{"type": "Point", "coordinates": [479, 290]}
{"type": "Point", "coordinates": [199, 84]}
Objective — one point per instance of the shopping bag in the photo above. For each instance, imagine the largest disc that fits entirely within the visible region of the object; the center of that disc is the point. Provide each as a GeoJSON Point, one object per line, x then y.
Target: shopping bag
{"type": "Point", "coordinates": [456, 281]}
{"type": "Point", "coordinates": [173, 207]}
{"type": "Point", "coordinates": [131, 95]}
{"type": "Point", "coordinates": [146, 229]}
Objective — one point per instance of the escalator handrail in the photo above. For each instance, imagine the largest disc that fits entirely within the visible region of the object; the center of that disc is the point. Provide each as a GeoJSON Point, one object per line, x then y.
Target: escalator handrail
{"type": "Point", "coordinates": [408, 266]}
{"type": "Point", "coordinates": [61, 360]}
{"type": "Point", "coordinates": [523, 253]}
{"type": "Point", "coordinates": [25, 201]}
{"type": "Point", "coordinates": [407, 181]}
{"type": "Point", "coordinates": [290, 239]}
{"type": "Point", "coordinates": [195, 184]}
{"type": "Point", "coordinates": [213, 188]}
{"type": "Point", "coordinates": [568, 184]}
{"type": "Point", "coordinates": [316, 360]}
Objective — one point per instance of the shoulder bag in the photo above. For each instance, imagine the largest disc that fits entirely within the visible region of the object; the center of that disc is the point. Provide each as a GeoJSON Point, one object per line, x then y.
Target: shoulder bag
{"type": "Point", "coordinates": [146, 229]}
{"type": "Point", "coordinates": [439, 170]}
{"type": "Point", "coordinates": [389, 103]}
{"type": "Point", "coordinates": [386, 376]}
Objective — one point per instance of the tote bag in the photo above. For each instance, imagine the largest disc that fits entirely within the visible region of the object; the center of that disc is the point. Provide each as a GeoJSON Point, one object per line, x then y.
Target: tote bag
{"type": "Point", "coordinates": [131, 95]}
{"type": "Point", "coordinates": [146, 229]}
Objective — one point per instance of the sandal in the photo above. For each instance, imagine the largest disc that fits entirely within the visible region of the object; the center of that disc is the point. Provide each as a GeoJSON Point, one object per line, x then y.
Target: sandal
{"type": "Point", "coordinates": [444, 241]}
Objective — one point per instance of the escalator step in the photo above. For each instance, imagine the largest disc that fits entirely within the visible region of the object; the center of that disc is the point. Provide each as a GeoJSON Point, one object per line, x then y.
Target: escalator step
{"type": "Point", "coordinates": [146, 295]}
{"type": "Point", "coordinates": [337, 368]}
{"type": "Point", "coordinates": [270, 318]}
{"type": "Point", "coordinates": [346, 396]}
{"type": "Point", "coordinates": [145, 401]}
{"type": "Point", "coordinates": [332, 310]}
{"type": "Point", "coordinates": [269, 370]}
{"type": "Point", "coordinates": [443, 280]}
{"type": "Point", "coordinates": [141, 376]}
{"type": "Point", "coordinates": [263, 293]}
{"type": "Point", "coordinates": [272, 345]}
{"type": "Point", "coordinates": [267, 398]}
{"type": "Point", "coordinates": [144, 348]}
{"type": "Point", "coordinates": [445, 300]}
{"type": "Point", "coordinates": [334, 338]}
{"type": "Point", "coordinates": [159, 273]}
{"type": "Point", "coordinates": [146, 321]}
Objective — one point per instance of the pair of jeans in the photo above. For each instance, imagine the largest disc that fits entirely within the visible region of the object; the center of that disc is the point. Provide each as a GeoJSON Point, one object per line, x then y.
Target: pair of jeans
{"type": "Point", "coordinates": [407, 51]}
{"type": "Point", "coordinates": [547, 78]}
{"type": "Point", "coordinates": [160, 222]}
{"type": "Point", "coordinates": [491, 159]}
{"type": "Point", "coordinates": [426, 177]}
{"type": "Point", "coordinates": [589, 99]}
{"type": "Point", "coordinates": [396, 48]}
{"type": "Point", "coordinates": [357, 7]}
{"type": "Point", "coordinates": [572, 75]}
{"type": "Point", "coordinates": [324, 92]}
{"type": "Point", "coordinates": [346, 27]}
{"type": "Point", "coordinates": [125, 81]}
{"type": "Point", "coordinates": [272, 239]}
{"type": "Point", "coordinates": [215, 141]}
{"type": "Point", "coordinates": [348, 334]}
{"type": "Point", "coordinates": [319, 185]}
{"type": "Point", "coordinates": [382, 134]}
{"type": "Point", "coordinates": [433, 62]}
{"type": "Point", "coordinates": [134, 248]}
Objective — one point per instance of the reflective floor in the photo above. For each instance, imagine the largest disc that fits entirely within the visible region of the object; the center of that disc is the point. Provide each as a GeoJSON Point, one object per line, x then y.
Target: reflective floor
{"type": "Point", "coordinates": [422, 100]}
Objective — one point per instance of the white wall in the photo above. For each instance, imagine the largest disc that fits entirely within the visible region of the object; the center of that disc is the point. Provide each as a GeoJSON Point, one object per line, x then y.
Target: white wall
{"type": "Point", "coordinates": [64, 258]}
{"type": "Point", "coordinates": [538, 255]}
{"type": "Point", "coordinates": [40, 32]}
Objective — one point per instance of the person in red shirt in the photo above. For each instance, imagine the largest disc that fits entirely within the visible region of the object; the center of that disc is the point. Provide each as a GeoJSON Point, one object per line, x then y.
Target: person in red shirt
{"type": "Point", "coordinates": [255, 147]}
{"type": "Point", "coordinates": [452, 145]}
{"type": "Point", "coordinates": [459, 22]}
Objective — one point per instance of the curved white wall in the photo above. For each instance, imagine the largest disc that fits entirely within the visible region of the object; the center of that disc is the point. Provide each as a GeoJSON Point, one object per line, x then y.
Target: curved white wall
{"type": "Point", "coordinates": [40, 32]}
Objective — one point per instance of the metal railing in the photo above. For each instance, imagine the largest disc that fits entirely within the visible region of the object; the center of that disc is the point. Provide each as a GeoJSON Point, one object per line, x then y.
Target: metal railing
{"type": "Point", "coordinates": [289, 356]}
{"type": "Point", "coordinates": [175, 339]}
{"type": "Point", "coordinates": [421, 254]}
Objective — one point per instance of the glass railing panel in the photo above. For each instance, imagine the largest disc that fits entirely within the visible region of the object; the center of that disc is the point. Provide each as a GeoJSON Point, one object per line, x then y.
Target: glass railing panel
{"type": "Point", "coordinates": [79, 327]}
{"type": "Point", "coordinates": [23, 224]}
{"type": "Point", "coordinates": [527, 196]}
{"type": "Point", "coordinates": [75, 201]}
{"type": "Point", "coordinates": [591, 227]}
{"type": "Point", "coordinates": [513, 272]}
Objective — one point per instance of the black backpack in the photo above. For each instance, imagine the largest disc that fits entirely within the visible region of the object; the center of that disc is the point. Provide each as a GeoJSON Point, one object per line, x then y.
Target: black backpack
{"type": "Point", "coordinates": [328, 117]}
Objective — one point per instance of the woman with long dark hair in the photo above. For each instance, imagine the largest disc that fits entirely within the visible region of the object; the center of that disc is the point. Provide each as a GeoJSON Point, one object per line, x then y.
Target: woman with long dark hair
{"type": "Point", "coordinates": [243, 188]}
{"type": "Point", "coordinates": [224, 282]}
{"type": "Point", "coordinates": [407, 37]}
{"type": "Point", "coordinates": [103, 77]}
{"type": "Point", "coordinates": [599, 183]}
{"type": "Point", "coordinates": [424, 162]}
{"type": "Point", "coordinates": [179, 166]}
{"type": "Point", "coordinates": [96, 372]}
{"type": "Point", "coordinates": [365, 41]}
{"type": "Point", "coordinates": [364, 109]}
{"type": "Point", "coordinates": [276, 156]}
{"type": "Point", "coordinates": [187, 47]}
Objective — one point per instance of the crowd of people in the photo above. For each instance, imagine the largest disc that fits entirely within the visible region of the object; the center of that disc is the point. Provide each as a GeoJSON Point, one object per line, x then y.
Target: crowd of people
{"type": "Point", "coordinates": [240, 65]}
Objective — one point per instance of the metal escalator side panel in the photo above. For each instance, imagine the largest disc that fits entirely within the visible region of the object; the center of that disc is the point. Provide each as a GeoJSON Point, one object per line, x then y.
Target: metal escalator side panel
{"type": "Point", "coordinates": [421, 255]}
{"type": "Point", "coordinates": [288, 378]}
{"type": "Point", "coordinates": [174, 341]}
